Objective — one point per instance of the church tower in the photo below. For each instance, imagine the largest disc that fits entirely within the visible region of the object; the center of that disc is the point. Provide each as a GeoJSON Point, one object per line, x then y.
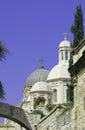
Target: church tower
{"type": "Point", "coordinates": [59, 75]}
{"type": "Point", "coordinates": [64, 51]}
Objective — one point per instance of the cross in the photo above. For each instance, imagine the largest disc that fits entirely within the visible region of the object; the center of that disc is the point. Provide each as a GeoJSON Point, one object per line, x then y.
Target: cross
{"type": "Point", "coordinates": [41, 61]}
{"type": "Point", "coordinates": [65, 35]}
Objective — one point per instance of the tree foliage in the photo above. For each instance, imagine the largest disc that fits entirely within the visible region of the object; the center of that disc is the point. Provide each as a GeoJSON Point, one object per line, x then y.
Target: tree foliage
{"type": "Point", "coordinates": [70, 91]}
{"type": "Point", "coordinates": [3, 52]}
{"type": "Point", "coordinates": [77, 29]}
{"type": "Point", "coordinates": [38, 100]}
{"type": "Point", "coordinates": [78, 34]}
{"type": "Point", "coordinates": [2, 93]}
{"type": "Point", "coordinates": [38, 112]}
{"type": "Point", "coordinates": [50, 106]}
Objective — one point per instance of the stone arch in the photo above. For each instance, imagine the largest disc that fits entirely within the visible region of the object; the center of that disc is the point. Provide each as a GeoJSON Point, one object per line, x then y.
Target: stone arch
{"type": "Point", "coordinates": [15, 114]}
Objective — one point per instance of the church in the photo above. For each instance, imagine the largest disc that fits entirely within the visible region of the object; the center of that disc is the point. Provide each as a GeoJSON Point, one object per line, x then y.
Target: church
{"type": "Point", "coordinates": [51, 85]}
{"type": "Point", "coordinates": [45, 94]}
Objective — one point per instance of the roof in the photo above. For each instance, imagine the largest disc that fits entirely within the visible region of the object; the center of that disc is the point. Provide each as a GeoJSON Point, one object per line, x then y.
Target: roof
{"type": "Point", "coordinates": [36, 76]}
{"type": "Point", "coordinates": [65, 43]}
{"type": "Point", "coordinates": [40, 86]}
{"type": "Point", "coordinates": [59, 71]}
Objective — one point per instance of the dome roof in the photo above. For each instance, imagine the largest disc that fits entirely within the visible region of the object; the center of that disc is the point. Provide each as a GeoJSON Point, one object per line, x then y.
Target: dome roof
{"type": "Point", "coordinates": [40, 86]}
{"type": "Point", "coordinates": [59, 71]}
{"type": "Point", "coordinates": [36, 76]}
{"type": "Point", "coordinates": [65, 43]}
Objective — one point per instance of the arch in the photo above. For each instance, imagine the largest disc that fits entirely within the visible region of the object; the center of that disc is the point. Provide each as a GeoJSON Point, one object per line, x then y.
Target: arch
{"type": "Point", "coordinates": [15, 114]}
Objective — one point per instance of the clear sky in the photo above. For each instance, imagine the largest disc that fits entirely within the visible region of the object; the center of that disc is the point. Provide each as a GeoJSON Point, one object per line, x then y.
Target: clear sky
{"type": "Point", "coordinates": [32, 29]}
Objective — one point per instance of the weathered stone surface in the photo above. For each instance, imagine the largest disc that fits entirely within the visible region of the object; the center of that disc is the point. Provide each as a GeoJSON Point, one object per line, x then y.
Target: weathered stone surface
{"type": "Point", "coordinates": [78, 71]}
{"type": "Point", "coordinates": [58, 120]}
{"type": "Point", "coordinates": [15, 114]}
{"type": "Point", "coordinates": [80, 101]}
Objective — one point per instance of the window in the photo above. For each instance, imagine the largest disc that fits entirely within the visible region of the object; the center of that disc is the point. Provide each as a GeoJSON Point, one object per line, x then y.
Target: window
{"type": "Point", "coordinates": [49, 98]}
{"type": "Point", "coordinates": [55, 95]}
{"type": "Point", "coordinates": [62, 55]}
{"type": "Point", "coordinates": [66, 55]}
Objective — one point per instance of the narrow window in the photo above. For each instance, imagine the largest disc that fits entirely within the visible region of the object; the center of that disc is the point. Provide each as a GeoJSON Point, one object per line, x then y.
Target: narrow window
{"type": "Point", "coordinates": [62, 55]}
{"type": "Point", "coordinates": [55, 95]}
{"type": "Point", "coordinates": [66, 55]}
{"type": "Point", "coordinates": [49, 98]}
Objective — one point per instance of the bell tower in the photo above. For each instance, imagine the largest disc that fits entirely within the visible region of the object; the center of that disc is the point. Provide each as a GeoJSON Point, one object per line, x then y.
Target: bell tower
{"type": "Point", "coordinates": [64, 50]}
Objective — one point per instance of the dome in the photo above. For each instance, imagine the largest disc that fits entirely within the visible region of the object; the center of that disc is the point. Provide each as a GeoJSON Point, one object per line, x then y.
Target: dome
{"type": "Point", "coordinates": [65, 43]}
{"type": "Point", "coordinates": [59, 71]}
{"type": "Point", "coordinates": [36, 76]}
{"type": "Point", "coordinates": [40, 86]}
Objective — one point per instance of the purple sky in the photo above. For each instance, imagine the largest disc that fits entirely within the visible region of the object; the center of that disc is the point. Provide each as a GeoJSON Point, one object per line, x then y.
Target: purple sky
{"type": "Point", "coordinates": [32, 29]}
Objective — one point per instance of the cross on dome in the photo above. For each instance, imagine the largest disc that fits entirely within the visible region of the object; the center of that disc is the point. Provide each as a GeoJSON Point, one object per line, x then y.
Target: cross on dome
{"type": "Point", "coordinates": [41, 61]}
{"type": "Point", "coordinates": [65, 35]}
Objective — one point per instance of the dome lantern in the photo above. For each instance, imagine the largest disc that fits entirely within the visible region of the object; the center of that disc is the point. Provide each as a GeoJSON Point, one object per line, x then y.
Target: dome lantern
{"type": "Point", "coordinates": [60, 71]}
{"type": "Point", "coordinates": [64, 50]}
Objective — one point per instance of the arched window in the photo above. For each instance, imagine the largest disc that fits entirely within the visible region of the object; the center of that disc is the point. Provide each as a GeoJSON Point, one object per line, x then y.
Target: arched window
{"type": "Point", "coordinates": [61, 55]}
{"type": "Point", "coordinates": [66, 55]}
{"type": "Point", "coordinates": [55, 95]}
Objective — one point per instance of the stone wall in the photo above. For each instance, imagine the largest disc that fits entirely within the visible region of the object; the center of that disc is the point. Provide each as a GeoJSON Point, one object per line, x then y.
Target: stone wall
{"type": "Point", "coordinates": [79, 99]}
{"type": "Point", "coordinates": [6, 127]}
{"type": "Point", "coordinates": [33, 119]}
{"type": "Point", "coordinates": [59, 119]}
{"type": "Point", "coordinates": [78, 72]}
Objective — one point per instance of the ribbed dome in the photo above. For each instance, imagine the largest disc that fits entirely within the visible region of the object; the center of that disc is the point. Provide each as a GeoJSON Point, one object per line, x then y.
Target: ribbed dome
{"type": "Point", "coordinates": [36, 76]}
{"type": "Point", "coordinates": [40, 86]}
{"type": "Point", "coordinates": [59, 71]}
{"type": "Point", "coordinates": [65, 43]}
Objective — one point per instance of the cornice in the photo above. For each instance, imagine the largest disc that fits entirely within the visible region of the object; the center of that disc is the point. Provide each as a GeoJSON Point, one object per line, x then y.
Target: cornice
{"type": "Point", "coordinates": [78, 66]}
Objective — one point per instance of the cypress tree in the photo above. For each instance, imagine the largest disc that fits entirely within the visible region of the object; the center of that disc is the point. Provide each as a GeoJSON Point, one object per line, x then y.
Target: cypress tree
{"type": "Point", "coordinates": [78, 34]}
{"type": "Point", "coordinates": [77, 29]}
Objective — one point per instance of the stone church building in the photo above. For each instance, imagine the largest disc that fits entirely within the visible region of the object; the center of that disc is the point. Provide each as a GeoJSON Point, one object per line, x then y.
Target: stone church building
{"type": "Point", "coordinates": [45, 94]}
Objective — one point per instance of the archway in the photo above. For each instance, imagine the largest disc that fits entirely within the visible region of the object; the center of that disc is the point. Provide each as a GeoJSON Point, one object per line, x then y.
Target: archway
{"type": "Point", "coordinates": [15, 114]}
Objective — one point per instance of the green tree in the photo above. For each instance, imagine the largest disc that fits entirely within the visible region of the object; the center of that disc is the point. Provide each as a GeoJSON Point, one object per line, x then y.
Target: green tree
{"type": "Point", "coordinates": [70, 85]}
{"type": "Point", "coordinates": [78, 34]}
{"type": "Point", "coordinates": [77, 29]}
{"type": "Point", "coordinates": [38, 100]}
{"type": "Point", "coordinates": [2, 93]}
{"type": "Point", "coordinates": [70, 91]}
{"type": "Point", "coordinates": [3, 52]}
